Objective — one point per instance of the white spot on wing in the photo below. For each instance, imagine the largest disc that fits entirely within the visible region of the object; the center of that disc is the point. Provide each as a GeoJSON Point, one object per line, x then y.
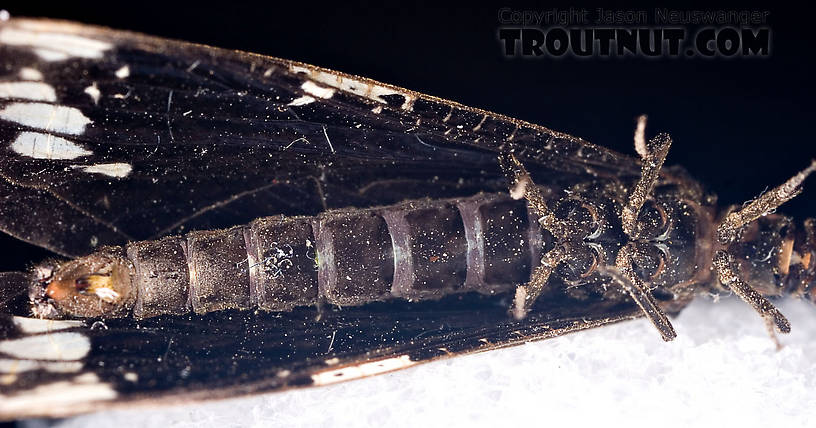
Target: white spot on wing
{"type": "Point", "coordinates": [123, 72]}
{"type": "Point", "coordinates": [63, 396]}
{"type": "Point", "coordinates": [368, 90]}
{"type": "Point", "coordinates": [66, 346]}
{"type": "Point", "coordinates": [36, 325]}
{"type": "Point", "coordinates": [36, 91]}
{"type": "Point", "coordinates": [93, 92]}
{"type": "Point", "coordinates": [366, 369]}
{"type": "Point", "coordinates": [54, 46]}
{"type": "Point", "coordinates": [56, 118]}
{"type": "Point", "coordinates": [19, 366]}
{"type": "Point", "coordinates": [28, 73]}
{"type": "Point", "coordinates": [319, 91]}
{"type": "Point", "coordinates": [51, 55]}
{"type": "Point", "coordinates": [300, 69]}
{"type": "Point", "coordinates": [46, 146]}
{"type": "Point", "coordinates": [302, 101]}
{"type": "Point", "coordinates": [118, 170]}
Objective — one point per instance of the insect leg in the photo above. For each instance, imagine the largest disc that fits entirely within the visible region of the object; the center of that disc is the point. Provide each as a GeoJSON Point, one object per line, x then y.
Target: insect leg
{"type": "Point", "coordinates": [522, 186]}
{"type": "Point", "coordinates": [527, 294]}
{"type": "Point", "coordinates": [625, 276]}
{"type": "Point", "coordinates": [652, 155]}
{"type": "Point", "coordinates": [728, 274]}
{"type": "Point", "coordinates": [729, 228]}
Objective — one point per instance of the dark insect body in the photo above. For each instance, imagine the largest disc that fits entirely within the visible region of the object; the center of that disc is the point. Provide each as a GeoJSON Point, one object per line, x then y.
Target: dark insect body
{"type": "Point", "coordinates": [417, 250]}
{"type": "Point", "coordinates": [389, 205]}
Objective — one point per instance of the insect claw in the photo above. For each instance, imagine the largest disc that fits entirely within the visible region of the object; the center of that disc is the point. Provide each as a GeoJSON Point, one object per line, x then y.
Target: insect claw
{"type": "Point", "coordinates": [770, 326]}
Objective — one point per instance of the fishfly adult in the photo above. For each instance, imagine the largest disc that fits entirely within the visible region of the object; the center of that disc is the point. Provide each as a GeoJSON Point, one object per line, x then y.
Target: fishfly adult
{"type": "Point", "coordinates": [308, 224]}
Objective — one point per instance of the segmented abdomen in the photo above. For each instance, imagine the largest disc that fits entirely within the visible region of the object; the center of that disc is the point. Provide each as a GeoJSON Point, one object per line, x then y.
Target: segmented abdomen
{"type": "Point", "coordinates": [416, 250]}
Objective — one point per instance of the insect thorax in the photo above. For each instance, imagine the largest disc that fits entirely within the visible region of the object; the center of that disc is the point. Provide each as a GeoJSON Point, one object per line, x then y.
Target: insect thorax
{"type": "Point", "coordinates": [671, 246]}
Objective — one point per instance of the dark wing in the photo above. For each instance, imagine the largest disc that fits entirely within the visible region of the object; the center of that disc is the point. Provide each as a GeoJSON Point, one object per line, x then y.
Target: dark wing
{"type": "Point", "coordinates": [164, 361]}
{"type": "Point", "coordinates": [113, 136]}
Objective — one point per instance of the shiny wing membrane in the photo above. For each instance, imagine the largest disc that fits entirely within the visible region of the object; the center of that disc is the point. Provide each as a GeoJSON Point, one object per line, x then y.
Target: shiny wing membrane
{"type": "Point", "coordinates": [114, 137]}
{"type": "Point", "coordinates": [110, 137]}
{"type": "Point", "coordinates": [163, 361]}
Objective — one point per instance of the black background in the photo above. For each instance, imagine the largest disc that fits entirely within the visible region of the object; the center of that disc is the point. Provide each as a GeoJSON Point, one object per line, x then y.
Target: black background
{"type": "Point", "coordinates": [739, 125]}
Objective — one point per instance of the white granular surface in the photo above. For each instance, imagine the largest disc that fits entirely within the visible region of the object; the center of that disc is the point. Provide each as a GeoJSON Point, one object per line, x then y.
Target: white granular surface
{"type": "Point", "coordinates": [722, 369]}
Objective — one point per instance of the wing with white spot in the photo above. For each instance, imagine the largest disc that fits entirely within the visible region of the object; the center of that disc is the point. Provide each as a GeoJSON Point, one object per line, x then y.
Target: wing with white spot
{"type": "Point", "coordinates": [59, 368]}
{"type": "Point", "coordinates": [113, 136]}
